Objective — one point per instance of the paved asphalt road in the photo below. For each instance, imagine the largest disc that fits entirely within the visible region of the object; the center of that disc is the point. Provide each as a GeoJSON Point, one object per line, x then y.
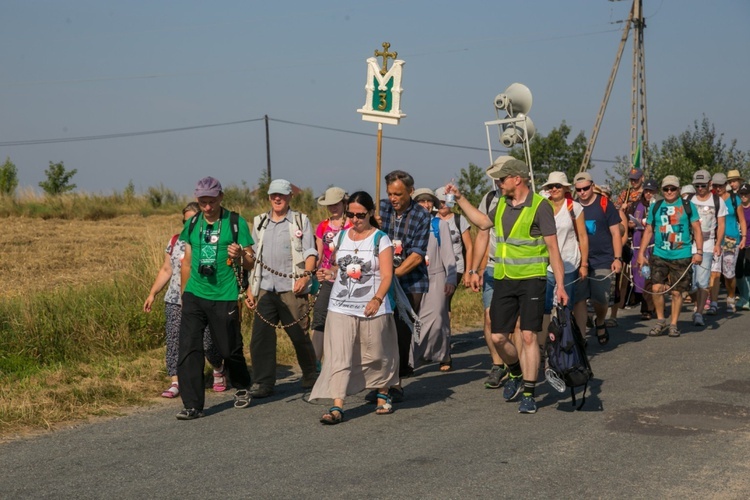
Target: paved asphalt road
{"type": "Point", "coordinates": [664, 418]}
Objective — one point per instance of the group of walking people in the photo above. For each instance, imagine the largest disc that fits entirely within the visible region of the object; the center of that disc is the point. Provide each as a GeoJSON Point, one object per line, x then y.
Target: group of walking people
{"type": "Point", "coordinates": [384, 279]}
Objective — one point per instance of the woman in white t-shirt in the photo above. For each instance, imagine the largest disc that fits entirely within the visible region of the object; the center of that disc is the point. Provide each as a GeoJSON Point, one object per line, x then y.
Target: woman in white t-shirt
{"type": "Point", "coordinates": [571, 238]}
{"type": "Point", "coordinates": [360, 341]}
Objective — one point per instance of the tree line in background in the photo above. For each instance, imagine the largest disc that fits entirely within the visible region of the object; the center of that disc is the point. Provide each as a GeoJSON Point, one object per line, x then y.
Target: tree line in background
{"type": "Point", "coordinates": [698, 147]}
{"type": "Point", "coordinates": [701, 146]}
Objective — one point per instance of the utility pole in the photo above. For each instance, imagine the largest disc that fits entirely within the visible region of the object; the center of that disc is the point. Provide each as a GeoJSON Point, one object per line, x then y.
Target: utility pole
{"type": "Point", "coordinates": [638, 115]}
{"type": "Point", "coordinates": [268, 150]}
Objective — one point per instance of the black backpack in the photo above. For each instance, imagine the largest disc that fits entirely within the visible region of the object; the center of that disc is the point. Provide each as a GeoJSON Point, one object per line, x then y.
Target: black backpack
{"type": "Point", "coordinates": [566, 354]}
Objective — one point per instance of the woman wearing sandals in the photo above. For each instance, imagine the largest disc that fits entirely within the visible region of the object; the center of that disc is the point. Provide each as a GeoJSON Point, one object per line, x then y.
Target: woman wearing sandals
{"type": "Point", "coordinates": [170, 274]}
{"type": "Point", "coordinates": [360, 342]}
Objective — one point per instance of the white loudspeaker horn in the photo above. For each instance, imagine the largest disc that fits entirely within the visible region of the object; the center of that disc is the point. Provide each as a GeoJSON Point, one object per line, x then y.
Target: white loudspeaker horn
{"type": "Point", "coordinates": [516, 99]}
{"type": "Point", "coordinates": [513, 133]}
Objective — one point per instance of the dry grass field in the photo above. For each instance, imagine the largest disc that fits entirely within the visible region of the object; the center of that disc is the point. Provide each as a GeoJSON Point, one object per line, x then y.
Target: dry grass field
{"type": "Point", "coordinates": [43, 255]}
{"type": "Point", "coordinates": [78, 263]}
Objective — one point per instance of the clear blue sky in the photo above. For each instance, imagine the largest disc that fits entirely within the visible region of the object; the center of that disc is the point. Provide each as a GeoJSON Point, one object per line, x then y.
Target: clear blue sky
{"type": "Point", "coordinates": [80, 68]}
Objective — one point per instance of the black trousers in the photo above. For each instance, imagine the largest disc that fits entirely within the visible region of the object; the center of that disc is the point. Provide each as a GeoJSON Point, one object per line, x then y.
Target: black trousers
{"type": "Point", "coordinates": [404, 335]}
{"type": "Point", "coordinates": [223, 319]}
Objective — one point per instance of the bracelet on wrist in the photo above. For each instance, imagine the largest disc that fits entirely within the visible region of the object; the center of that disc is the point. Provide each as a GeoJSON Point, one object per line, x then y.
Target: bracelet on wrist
{"type": "Point", "coordinates": [380, 301]}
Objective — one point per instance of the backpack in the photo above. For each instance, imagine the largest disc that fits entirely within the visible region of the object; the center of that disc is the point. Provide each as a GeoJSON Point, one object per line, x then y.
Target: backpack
{"type": "Point", "coordinates": [566, 354]}
{"type": "Point", "coordinates": [234, 225]}
{"type": "Point", "coordinates": [435, 225]}
{"type": "Point", "coordinates": [457, 221]}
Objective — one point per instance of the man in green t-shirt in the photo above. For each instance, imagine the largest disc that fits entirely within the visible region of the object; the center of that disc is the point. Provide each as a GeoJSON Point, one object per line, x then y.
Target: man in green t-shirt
{"type": "Point", "coordinates": [670, 221]}
{"type": "Point", "coordinates": [215, 254]}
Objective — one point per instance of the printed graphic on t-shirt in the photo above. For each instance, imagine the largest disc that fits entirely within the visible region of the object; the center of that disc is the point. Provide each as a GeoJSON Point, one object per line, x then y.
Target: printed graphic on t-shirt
{"type": "Point", "coordinates": [356, 277]}
{"type": "Point", "coordinates": [209, 246]}
{"type": "Point", "coordinates": [673, 227]}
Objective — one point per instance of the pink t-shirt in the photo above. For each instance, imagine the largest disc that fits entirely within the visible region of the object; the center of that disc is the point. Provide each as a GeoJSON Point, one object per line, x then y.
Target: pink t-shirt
{"type": "Point", "coordinates": [328, 235]}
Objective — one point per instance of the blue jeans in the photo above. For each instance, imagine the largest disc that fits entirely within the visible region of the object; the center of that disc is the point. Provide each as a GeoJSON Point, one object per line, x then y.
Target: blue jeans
{"type": "Point", "coordinates": [568, 279]}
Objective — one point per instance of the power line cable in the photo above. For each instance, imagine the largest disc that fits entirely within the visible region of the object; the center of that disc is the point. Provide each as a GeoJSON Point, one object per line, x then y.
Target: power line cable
{"type": "Point", "coordinates": [33, 142]}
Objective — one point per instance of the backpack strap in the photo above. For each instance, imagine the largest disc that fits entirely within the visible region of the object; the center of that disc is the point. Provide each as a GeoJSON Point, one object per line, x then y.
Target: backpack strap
{"type": "Point", "coordinates": [603, 202]}
{"type": "Point", "coordinates": [234, 224]}
{"type": "Point", "coordinates": [569, 204]}
{"type": "Point", "coordinates": [193, 222]}
{"type": "Point", "coordinates": [488, 200]}
{"type": "Point", "coordinates": [172, 243]}
{"type": "Point", "coordinates": [263, 221]}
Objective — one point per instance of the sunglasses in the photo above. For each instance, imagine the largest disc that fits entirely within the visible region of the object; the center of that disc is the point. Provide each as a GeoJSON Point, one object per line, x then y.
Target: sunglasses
{"type": "Point", "coordinates": [359, 216]}
{"type": "Point", "coordinates": [554, 186]}
{"type": "Point", "coordinates": [582, 189]}
{"type": "Point", "coordinates": [700, 186]}
{"type": "Point", "coordinates": [669, 189]}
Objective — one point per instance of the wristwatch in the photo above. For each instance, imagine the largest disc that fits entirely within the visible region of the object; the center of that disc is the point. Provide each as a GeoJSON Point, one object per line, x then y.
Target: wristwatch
{"type": "Point", "coordinates": [618, 258]}
{"type": "Point", "coordinates": [472, 271]}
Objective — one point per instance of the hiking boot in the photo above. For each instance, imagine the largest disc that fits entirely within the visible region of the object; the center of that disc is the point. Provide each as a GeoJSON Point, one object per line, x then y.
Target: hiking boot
{"type": "Point", "coordinates": [260, 391]}
{"type": "Point", "coordinates": [189, 414]}
{"type": "Point", "coordinates": [698, 319]}
{"type": "Point", "coordinates": [495, 377]}
{"type": "Point", "coordinates": [242, 398]}
{"type": "Point", "coordinates": [513, 387]}
{"type": "Point", "coordinates": [528, 405]}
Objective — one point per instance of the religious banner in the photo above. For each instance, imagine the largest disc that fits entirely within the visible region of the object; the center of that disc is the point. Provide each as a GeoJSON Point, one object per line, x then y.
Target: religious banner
{"type": "Point", "coordinates": [383, 89]}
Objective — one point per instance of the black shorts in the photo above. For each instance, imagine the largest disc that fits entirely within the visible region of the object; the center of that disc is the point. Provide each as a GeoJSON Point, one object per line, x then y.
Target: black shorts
{"type": "Point", "coordinates": [513, 297]}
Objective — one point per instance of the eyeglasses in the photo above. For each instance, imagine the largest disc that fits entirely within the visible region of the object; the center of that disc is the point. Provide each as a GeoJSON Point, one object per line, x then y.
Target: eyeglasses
{"type": "Point", "coordinates": [582, 189]}
{"type": "Point", "coordinates": [501, 179]}
{"type": "Point", "coordinates": [554, 186]}
{"type": "Point", "coordinates": [723, 186]}
{"type": "Point", "coordinates": [359, 216]}
{"type": "Point", "coordinates": [669, 189]}
{"type": "Point", "coordinates": [207, 233]}
{"type": "Point", "coordinates": [700, 186]}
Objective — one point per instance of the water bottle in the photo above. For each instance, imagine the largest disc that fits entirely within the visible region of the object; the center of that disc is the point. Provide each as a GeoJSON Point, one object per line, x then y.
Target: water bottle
{"type": "Point", "coordinates": [646, 271]}
{"type": "Point", "coordinates": [450, 200]}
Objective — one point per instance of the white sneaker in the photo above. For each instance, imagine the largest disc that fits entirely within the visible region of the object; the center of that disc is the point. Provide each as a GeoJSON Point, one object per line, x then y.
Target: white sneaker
{"type": "Point", "coordinates": [731, 307]}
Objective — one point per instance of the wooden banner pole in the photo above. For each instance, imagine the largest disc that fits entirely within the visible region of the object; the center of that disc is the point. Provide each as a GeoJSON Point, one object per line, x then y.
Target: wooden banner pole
{"type": "Point", "coordinates": [377, 169]}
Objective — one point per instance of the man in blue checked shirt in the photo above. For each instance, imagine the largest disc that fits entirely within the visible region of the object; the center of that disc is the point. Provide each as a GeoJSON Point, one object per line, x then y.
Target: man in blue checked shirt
{"type": "Point", "coordinates": [408, 226]}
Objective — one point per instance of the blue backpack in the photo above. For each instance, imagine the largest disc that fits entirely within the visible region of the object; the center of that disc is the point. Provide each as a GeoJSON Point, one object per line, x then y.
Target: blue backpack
{"type": "Point", "coordinates": [566, 355]}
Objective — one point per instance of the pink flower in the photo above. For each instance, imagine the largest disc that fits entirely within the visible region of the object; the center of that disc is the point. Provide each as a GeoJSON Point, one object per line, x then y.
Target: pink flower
{"type": "Point", "coordinates": [398, 247]}
{"type": "Point", "coordinates": [354, 271]}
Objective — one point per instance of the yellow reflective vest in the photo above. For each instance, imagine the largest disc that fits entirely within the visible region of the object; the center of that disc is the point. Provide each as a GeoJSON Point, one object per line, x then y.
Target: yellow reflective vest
{"type": "Point", "coordinates": [520, 255]}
